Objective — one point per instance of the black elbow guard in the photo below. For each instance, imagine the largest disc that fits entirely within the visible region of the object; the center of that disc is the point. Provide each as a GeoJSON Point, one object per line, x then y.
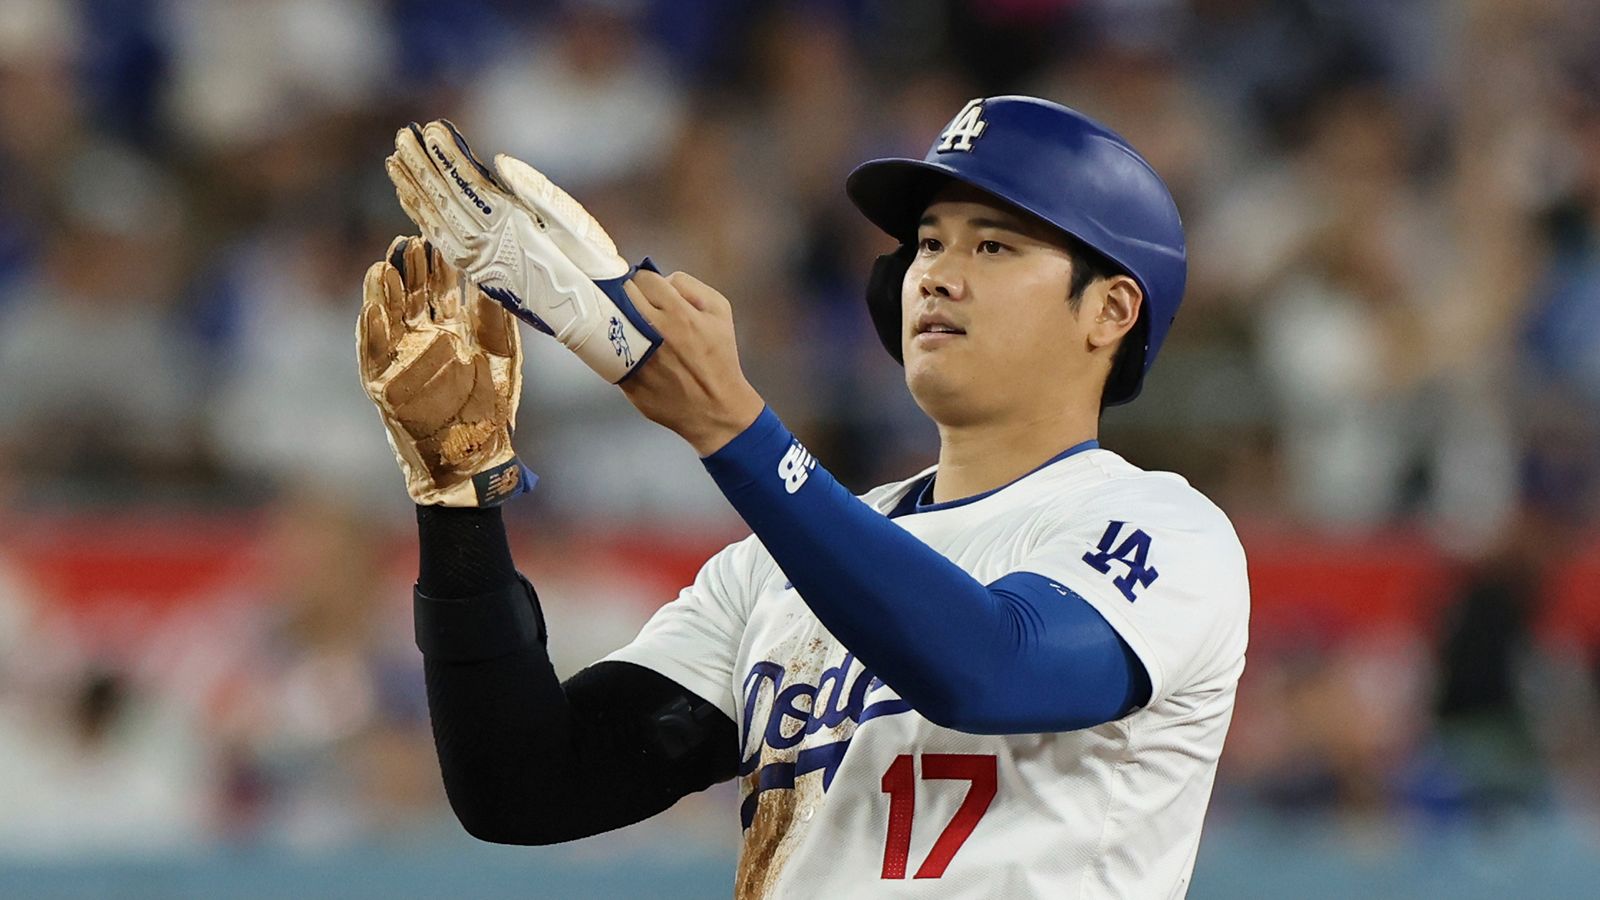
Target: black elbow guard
{"type": "Point", "coordinates": [684, 724]}
{"type": "Point", "coordinates": [620, 708]}
{"type": "Point", "coordinates": [476, 629]}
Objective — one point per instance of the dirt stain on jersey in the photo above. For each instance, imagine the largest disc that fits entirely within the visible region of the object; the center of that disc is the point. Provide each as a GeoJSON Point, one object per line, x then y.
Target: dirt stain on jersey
{"type": "Point", "coordinates": [780, 821]}
{"type": "Point", "coordinates": [782, 814]}
{"type": "Point", "coordinates": [762, 857]}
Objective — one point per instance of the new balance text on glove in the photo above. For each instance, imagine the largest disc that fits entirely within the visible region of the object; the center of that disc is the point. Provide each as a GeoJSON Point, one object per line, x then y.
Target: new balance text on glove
{"type": "Point", "coordinates": [526, 243]}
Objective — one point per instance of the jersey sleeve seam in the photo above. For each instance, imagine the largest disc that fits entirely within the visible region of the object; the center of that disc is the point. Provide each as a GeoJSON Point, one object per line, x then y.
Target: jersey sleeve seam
{"type": "Point", "coordinates": [1109, 825]}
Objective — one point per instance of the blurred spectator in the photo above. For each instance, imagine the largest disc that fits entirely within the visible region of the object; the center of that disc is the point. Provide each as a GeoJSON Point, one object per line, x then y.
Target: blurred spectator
{"type": "Point", "coordinates": [124, 69]}
{"type": "Point", "coordinates": [286, 406]}
{"type": "Point", "coordinates": [589, 101]}
{"type": "Point", "coordinates": [315, 689]}
{"type": "Point", "coordinates": [102, 385]}
{"type": "Point", "coordinates": [243, 73]}
{"type": "Point", "coordinates": [1486, 740]}
{"type": "Point", "coordinates": [1340, 323]}
{"type": "Point", "coordinates": [38, 43]}
{"type": "Point", "coordinates": [1562, 355]}
{"type": "Point", "coordinates": [1331, 726]}
{"type": "Point", "coordinates": [101, 767]}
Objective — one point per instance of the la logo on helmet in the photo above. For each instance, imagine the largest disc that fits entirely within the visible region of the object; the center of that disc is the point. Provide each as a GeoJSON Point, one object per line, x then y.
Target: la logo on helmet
{"type": "Point", "coordinates": [964, 128]}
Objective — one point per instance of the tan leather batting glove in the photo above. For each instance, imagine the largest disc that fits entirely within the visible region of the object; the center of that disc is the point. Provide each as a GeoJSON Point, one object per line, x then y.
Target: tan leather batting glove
{"type": "Point", "coordinates": [446, 376]}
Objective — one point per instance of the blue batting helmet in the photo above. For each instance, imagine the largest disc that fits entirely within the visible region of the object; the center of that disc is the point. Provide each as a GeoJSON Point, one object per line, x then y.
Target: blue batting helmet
{"type": "Point", "coordinates": [1058, 165]}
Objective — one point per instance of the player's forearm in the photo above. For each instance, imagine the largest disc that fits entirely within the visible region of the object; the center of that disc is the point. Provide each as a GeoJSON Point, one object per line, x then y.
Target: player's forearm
{"type": "Point", "coordinates": [525, 758]}
{"type": "Point", "coordinates": [494, 699]}
{"type": "Point", "coordinates": [501, 730]}
{"type": "Point", "coordinates": [982, 658]}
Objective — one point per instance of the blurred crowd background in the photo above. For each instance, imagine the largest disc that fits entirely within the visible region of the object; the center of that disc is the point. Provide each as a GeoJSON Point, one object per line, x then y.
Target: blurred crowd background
{"type": "Point", "coordinates": [1387, 370]}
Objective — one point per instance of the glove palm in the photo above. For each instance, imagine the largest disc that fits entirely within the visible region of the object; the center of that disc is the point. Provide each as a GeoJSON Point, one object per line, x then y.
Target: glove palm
{"type": "Point", "coordinates": [446, 376]}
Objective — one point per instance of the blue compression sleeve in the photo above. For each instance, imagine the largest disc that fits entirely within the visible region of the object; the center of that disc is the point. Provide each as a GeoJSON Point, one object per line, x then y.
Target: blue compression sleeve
{"type": "Point", "coordinates": [1013, 657]}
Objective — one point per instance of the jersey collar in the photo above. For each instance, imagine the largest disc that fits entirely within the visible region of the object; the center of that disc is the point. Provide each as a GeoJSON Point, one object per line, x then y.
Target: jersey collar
{"type": "Point", "coordinates": [919, 497]}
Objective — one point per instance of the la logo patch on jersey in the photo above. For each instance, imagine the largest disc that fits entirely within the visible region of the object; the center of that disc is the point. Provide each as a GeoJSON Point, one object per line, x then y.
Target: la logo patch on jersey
{"type": "Point", "coordinates": [1133, 552]}
{"type": "Point", "coordinates": [966, 127]}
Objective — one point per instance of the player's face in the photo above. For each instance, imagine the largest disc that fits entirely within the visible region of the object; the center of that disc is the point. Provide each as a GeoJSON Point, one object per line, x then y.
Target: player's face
{"type": "Point", "coordinates": [988, 329]}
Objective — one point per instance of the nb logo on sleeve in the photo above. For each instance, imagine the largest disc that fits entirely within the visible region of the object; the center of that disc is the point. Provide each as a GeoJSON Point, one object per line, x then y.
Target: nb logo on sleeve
{"type": "Point", "coordinates": [964, 128]}
{"type": "Point", "coordinates": [1133, 552]}
{"type": "Point", "coordinates": [795, 467]}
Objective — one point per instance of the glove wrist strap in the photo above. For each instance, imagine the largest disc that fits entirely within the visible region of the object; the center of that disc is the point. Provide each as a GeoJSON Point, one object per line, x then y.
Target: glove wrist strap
{"type": "Point", "coordinates": [491, 487]}
{"type": "Point", "coordinates": [612, 288]}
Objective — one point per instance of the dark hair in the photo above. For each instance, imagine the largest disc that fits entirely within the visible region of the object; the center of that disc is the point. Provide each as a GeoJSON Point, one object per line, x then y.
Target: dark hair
{"type": "Point", "coordinates": [1088, 266]}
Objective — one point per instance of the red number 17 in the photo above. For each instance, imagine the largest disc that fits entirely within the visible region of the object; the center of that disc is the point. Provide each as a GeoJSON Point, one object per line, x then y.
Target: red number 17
{"type": "Point", "coordinates": [900, 783]}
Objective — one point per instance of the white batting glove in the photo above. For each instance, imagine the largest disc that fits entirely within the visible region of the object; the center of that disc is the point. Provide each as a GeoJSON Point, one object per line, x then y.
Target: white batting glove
{"type": "Point", "coordinates": [526, 243]}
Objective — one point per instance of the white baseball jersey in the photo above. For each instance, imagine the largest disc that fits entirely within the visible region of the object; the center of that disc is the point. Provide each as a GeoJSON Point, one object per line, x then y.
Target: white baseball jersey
{"type": "Point", "coordinates": [847, 792]}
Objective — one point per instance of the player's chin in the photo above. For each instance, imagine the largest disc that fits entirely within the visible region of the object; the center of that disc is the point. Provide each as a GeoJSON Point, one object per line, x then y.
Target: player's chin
{"type": "Point", "coordinates": [932, 378]}
{"type": "Point", "coordinates": [946, 401]}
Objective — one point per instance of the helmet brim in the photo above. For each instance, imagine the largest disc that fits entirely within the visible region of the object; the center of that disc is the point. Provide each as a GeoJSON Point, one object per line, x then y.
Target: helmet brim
{"type": "Point", "coordinates": [893, 193]}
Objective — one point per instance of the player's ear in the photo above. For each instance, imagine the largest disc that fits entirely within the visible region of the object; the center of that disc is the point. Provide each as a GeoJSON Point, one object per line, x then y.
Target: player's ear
{"type": "Point", "coordinates": [1120, 301]}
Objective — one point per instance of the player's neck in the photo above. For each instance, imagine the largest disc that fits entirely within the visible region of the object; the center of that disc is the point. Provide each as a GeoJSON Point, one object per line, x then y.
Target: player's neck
{"type": "Point", "coordinates": [981, 457]}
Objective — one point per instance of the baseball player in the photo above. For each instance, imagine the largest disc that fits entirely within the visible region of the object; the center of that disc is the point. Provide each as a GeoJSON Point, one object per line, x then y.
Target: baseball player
{"type": "Point", "coordinates": [1009, 675]}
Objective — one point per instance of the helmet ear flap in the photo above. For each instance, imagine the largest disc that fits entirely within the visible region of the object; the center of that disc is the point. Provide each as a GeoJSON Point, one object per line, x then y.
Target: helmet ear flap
{"type": "Point", "coordinates": [883, 297]}
{"type": "Point", "coordinates": [1127, 376]}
